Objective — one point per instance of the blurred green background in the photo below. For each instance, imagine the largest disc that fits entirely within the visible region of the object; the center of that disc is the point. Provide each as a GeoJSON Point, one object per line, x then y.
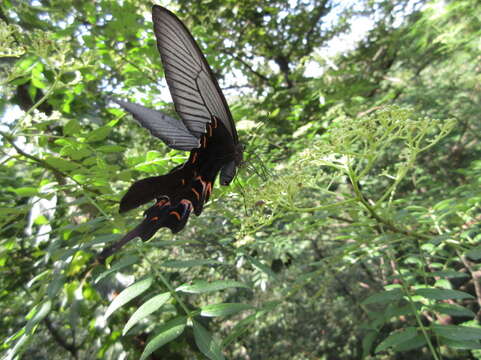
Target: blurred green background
{"type": "Point", "coordinates": [352, 231]}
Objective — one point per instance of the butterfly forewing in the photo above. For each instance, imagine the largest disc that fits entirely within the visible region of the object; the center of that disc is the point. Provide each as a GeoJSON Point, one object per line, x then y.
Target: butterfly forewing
{"type": "Point", "coordinates": [195, 91]}
{"type": "Point", "coordinates": [172, 131]}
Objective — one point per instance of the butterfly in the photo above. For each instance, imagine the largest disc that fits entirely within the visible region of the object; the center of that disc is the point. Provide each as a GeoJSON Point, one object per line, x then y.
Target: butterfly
{"type": "Point", "coordinates": [206, 129]}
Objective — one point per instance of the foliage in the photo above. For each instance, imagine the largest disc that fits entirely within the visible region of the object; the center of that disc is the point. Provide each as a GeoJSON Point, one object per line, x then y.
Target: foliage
{"type": "Point", "coordinates": [352, 232]}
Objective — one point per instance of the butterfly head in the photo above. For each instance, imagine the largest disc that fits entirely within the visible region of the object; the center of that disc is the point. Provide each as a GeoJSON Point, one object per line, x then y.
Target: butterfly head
{"type": "Point", "coordinates": [228, 171]}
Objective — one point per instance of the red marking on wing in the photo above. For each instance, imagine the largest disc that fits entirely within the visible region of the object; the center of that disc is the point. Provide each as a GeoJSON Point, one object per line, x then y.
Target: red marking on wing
{"type": "Point", "coordinates": [186, 202]}
{"type": "Point", "coordinates": [177, 215]}
{"type": "Point", "coordinates": [202, 182]}
{"type": "Point", "coordinates": [194, 157]}
{"type": "Point", "coordinates": [155, 218]}
{"type": "Point", "coordinates": [162, 203]}
{"type": "Point", "coordinates": [208, 189]}
{"type": "Point", "coordinates": [197, 195]}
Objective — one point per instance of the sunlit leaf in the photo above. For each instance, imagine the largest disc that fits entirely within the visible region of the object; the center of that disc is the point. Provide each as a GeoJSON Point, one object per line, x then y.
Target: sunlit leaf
{"type": "Point", "coordinates": [72, 128]}
{"type": "Point", "coordinates": [42, 311]}
{"type": "Point", "coordinates": [61, 164]}
{"type": "Point", "coordinates": [165, 334]}
{"type": "Point", "coordinates": [120, 264]}
{"type": "Point", "coordinates": [25, 191]}
{"type": "Point", "coordinates": [99, 134]}
{"type": "Point", "coordinates": [145, 310]}
{"type": "Point", "coordinates": [443, 294]}
{"type": "Point", "coordinates": [128, 294]}
{"type": "Point", "coordinates": [223, 309]}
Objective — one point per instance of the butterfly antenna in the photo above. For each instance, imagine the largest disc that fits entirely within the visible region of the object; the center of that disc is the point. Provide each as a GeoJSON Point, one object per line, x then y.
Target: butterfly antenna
{"type": "Point", "coordinates": [243, 193]}
{"type": "Point", "coordinates": [260, 170]}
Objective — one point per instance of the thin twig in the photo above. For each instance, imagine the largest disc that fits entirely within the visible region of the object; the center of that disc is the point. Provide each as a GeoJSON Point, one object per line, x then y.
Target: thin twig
{"type": "Point", "coordinates": [59, 339]}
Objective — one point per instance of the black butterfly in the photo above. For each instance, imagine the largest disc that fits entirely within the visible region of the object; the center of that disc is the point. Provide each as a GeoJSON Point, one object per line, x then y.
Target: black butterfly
{"type": "Point", "coordinates": [206, 129]}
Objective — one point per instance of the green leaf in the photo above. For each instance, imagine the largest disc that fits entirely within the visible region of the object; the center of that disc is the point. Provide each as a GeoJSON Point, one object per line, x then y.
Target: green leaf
{"type": "Point", "coordinates": [40, 314]}
{"type": "Point", "coordinates": [11, 211]}
{"type": "Point", "coordinates": [475, 253]}
{"type": "Point", "coordinates": [41, 220]}
{"type": "Point", "coordinates": [453, 310]}
{"type": "Point", "coordinates": [206, 343]}
{"type": "Point", "coordinates": [99, 134]}
{"type": "Point", "coordinates": [146, 309]}
{"type": "Point", "coordinates": [457, 333]}
{"type": "Point", "coordinates": [19, 346]}
{"type": "Point", "coordinates": [414, 343]}
{"type": "Point", "coordinates": [26, 191]}
{"type": "Point", "coordinates": [223, 309]}
{"type": "Point", "coordinates": [397, 338]}
{"type": "Point", "coordinates": [442, 294]}
{"type": "Point", "coordinates": [448, 274]}
{"type": "Point", "coordinates": [128, 294]}
{"type": "Point", "coordinates": [152, 155]}
{"type": "Point", "coordinates": [461, 345]}
{"type": "Point", "coordinates": [61, 164]}
{"type": "Point", "coordinates": [165, 334]}
{"type": "Point", "coordinates": [384, 297]}
{"type": "Point", "coordinates": [240, 328]}
{"type": "Point", "coordinates": [204, 286]}
{"type": "Point", "coordinates": [38, 77]}
{"type": "Point", "coordinates": [71, 128]}
{"type": "Point", "coordinates": [75, 152]}
{"type": "Point", "coordinates": [26, 62]}
{"type": "Point", "coordinates": [367, 342]}
{"type": "Point", "coordinates": [110, 148]}
{"type": "Point", "coordinates": [120, 264]}
{"type": "Point", "coordinates": [261, 267]}
{"type": "Point", "coordinates": [189, 263]}
{"type": "Point", "coordinates": [55, 286]}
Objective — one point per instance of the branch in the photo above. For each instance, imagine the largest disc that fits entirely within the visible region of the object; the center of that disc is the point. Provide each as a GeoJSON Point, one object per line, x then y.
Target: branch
{"type": "Point", "coordinates": [59, 175]}
{"type": "Point", "coordinates": [44, 164]}
{"type": "Point", "coordinates": [476, 275]}
{"type": "Point", "coordinates": [246, 64]}
{"type": "Point", "coordinates": [388, 224]}
{"type": "Point", "coordinates": [320, 12]}
{"type": "Point", "coordinates": [59, 339]}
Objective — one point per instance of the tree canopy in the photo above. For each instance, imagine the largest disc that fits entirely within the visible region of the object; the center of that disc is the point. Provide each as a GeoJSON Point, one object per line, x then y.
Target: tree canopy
{"type": "Point", "coordinates": [351, 232]}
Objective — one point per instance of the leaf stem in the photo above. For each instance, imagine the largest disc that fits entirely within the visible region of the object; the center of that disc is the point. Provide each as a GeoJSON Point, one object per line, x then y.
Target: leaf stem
{"type": "Point", "coordinates": [166, 283]}
{"type": "Point", "coordinates": [360, 197]}
{"type": "Point", "coordinates": [415, 312]}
